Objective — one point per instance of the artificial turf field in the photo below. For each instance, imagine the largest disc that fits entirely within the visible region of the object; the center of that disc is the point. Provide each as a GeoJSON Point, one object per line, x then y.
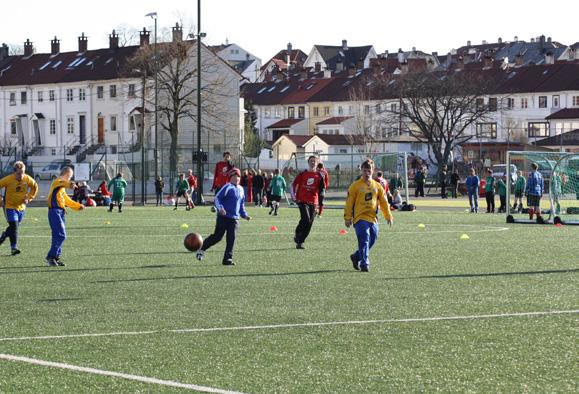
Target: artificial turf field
{"type": "Point", "coordinates": [134, 312]}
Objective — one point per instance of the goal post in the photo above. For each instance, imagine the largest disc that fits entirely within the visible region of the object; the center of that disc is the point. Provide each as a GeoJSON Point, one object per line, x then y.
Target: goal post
{"type": "Point", "coordinates": [343, 168]}
{"type": "Point", "coordinates": [559, 203]}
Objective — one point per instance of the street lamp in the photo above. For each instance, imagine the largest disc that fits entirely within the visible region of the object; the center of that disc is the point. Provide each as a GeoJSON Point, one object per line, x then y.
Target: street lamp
{"type": "Point", "coordinates": [200, 174]}
{"type": "Point", "coordinates": [156, 155]}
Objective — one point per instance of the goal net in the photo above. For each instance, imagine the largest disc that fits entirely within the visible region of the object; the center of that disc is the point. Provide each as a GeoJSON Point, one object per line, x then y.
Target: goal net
{"type": "Point", "coordinates": [560, 172]}
{"type": "Point", "coordinates": [343, 168]}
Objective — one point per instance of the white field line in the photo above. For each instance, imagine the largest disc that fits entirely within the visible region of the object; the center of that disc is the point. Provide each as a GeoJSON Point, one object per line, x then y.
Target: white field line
{"type": "Point", "coordinates": [117, 374]}
{"type": "Point", "coordinates": [273, 326]}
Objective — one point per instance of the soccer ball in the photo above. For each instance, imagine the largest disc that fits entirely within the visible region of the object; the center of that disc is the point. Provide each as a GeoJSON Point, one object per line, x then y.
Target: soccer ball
{"type": "Point", "coordinates": [193, 242]}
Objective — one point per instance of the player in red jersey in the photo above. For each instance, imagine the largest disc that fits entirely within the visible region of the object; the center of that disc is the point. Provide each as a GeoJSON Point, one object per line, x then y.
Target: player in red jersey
{"type": "Point", "coordinates": [193, 186]}
{"type": "Point", "coordinates": [221, 174]}
{"type": "Point", "coordinates": [326, 179]}
{"type": "Point", "coordinates": [305, 191]}
{"type": "Point", "coordinates": [380, 179]}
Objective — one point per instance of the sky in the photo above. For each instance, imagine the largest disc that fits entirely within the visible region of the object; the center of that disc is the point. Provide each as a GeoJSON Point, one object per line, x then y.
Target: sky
{"type": "Point", "coordinates": [264, 27]}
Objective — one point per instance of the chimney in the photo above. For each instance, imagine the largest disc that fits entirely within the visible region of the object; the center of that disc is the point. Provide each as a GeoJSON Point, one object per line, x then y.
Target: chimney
{"type": "Point", "coordinates": [113, 40]}
{"type": "Point", "coordinates": [82, 43]}
{"type": "Point", "coordinates": [28, 48]}
{"type": "Point", "coordinates": [54, 46]}
{"type": "Point", "coordinates": [488, 61]}
{"type": "Point", "coordinates": [177, 33]}
{"type": "Point", "coordinates": [377, 68]}
{"type": "Point", "coordinates": [303, 73]}
{"type": "Point", "coordinates": [549, 58]}
{"type": "Point", "coordinates": [500, 40]}
{"type": "Point", "coordinates": [542, 41]}
{"type": "Point", "coordinates": [360, 64]}
{"type": "Point", "coordinates": [516, 38]}
{"type": "Point", "coordinates": [572, 53]}
{"type": "Point", "coordinates": [468, 43]}
{"type": "Point", "coordinates": [327, 73]}
{"type": "Point", "coordinates": [460, 63]}
{"type": "Point", "coordinates": [519, 60]}
{"type": "Point", "coordinates": [400, 56]}
{"type": "Point", "coordinates": [404, 68]}
{"type": "Point", "coordinates": [352, 70]}
{"type": "Point", "coordinates": [383, 59]}
{"type": "Point", "coordinates": [4, 52]}
{"type": "Point", "coordinates": [144, 36]}
{"type": "Point", "coordinates": [318, 67]}
{"type": "Point", "coordinates": [345, 45]}
{"type": "Point", "coordinates": [339, 64]}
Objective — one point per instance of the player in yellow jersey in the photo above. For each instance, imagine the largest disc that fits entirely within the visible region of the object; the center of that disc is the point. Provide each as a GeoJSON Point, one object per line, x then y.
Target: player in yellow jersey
{"type": "Point", "coordinates": [58, 200]}
{"type": "Point", "coordinates": [20, 189]}
{"type": "Point", "coordinates": [362, 201]}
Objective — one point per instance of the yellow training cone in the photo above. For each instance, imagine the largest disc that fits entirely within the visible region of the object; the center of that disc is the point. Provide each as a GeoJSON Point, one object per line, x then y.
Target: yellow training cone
{"type": "Point", "coordinates": [464, 236]}
{"type": "Point", "coordinates": [107, 222]}
{"type": "Point", "coordinates": [34, 220]}
{"type": "Point", "coordinates": [184, 225]}
{"type": "Point", "coordinates": [421, 225]}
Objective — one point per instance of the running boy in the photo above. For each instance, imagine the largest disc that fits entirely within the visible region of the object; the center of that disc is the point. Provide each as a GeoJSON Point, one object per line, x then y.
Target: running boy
{"type": "Point", "coordinates": [305, 190]}
{"type": "Point", "coordinates": [181, 191]}
{"type": "Point", "coordinates": [277, 187]}
{"type": "Point", "coordinates": [58, 200]}
{"type": "Point", "coordinates": [229, 203]}
{"type": "Point", "coordinates": [361, 209]}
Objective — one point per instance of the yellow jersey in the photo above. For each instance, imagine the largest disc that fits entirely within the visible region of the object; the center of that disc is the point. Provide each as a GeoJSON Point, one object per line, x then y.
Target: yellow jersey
{"type": "Point", "coordinates": [362, 201]}
{"type": "Point", "coordinates": [17, 191]}
{"type": "Point", "coordinates": [57, 197]}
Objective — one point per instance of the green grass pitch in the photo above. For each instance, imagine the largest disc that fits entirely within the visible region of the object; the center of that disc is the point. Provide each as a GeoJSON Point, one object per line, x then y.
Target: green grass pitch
{"type": "Point", "coordinates": [134, 312]}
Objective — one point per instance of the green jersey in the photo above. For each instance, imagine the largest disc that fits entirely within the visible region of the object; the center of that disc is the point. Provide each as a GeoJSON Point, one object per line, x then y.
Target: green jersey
{"type": "Point", "coordinates": [502, 186]}
{"type": "Point", "coordinates": [119, 185]}
{"type": "Point", "coordinates": [277, 185]}
{"type": "Point", "coordinates": [490, 185]}
{"type": "Point", "coordinates": [520, 185]}
{"type": "Point", "coordinates": [182, 185]}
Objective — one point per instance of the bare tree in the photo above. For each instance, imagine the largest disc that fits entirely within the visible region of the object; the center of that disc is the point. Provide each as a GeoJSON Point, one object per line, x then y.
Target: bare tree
{"type": "Point", "coordinates": [440, 108]}
{"type": "Point", "coordinates": [128, 35]}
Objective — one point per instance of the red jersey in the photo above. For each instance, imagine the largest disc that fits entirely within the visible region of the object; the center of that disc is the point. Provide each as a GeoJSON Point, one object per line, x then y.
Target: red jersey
{"type": "Point", "coordinates": [384, 184]}
{"type": "Point", "coordinates": [307, 186]}
{"type": "Point", "coordinates": [192, 182]}
{"type": "Point", "coordinates": [221, 174]}
{"type": "Point", "coordinates": [326, 177]}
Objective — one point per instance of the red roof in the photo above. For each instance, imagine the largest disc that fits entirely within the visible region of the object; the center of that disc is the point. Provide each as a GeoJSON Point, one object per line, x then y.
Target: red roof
{"type": "Point", "coordinates": [284, 123]}
{"type": "Point", "coordinates": [567, 113]}
{"type": "Point", "coordinates": [298, 140]}
{"type": "Point", "coordinates": [335, 120]}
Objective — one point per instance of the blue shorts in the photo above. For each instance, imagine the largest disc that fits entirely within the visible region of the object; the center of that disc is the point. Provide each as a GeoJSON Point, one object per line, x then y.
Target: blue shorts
{"type": "Point", "coordinates": [13, 215]}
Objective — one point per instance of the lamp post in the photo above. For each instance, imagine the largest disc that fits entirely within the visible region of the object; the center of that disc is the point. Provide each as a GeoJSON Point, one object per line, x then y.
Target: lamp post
{"type": "Point", "coordinates": [200, 175]}
{"type": "Point", "coordinates": [156, 155]}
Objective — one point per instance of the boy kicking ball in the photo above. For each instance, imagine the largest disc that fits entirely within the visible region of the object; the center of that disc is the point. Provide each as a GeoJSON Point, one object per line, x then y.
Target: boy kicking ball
{"type": "Point", "coordinates": [362, 201]}
{"type": "Point", "coordinates": [229, 203]}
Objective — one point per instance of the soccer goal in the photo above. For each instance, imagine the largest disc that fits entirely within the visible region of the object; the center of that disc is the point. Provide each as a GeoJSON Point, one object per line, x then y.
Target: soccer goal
{"type": "Point", "coordinates": [343, 168]}
{"type": "Point", "coordinates": [560, 171]}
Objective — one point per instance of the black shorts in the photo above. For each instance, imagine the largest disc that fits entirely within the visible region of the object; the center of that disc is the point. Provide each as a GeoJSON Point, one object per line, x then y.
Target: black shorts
{"type": "Point", "coordinates": [518, 194]}
{"type": "Point", "coordinates": [181, 194]}
{"type": "Point", "coordinates": [533, 200]}
{"type": "Point", "coordinates": [275, 198]}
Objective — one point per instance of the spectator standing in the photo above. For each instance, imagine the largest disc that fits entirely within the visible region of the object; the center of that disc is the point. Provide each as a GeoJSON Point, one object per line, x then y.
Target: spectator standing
{"type": "Point", "coordinates": [19, 190]}
{"type": "Point", "coordinates": [243, 183]}
{"type": "Point", "coordinates": [396, 183]}
{"type": "Point", "coordinates": [159, 187]}
{"type": "Point", "coordinates": [472, 185]}
{"type": "Point", "coordinates": [490, 191]}
{"type": "Point", "coordinates": [420, 179]}
{"type": "Point", "coordinates": [454, 181]}
{"type": "Point", "coordinates": [257, 184]}
{"type": "Point", "coordinates": [442, 178]}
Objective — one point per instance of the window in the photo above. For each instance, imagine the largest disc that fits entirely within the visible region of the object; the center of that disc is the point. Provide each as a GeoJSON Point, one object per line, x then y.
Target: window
{"type": "Point", "coordinates": [524, 103]}
{"type": "Point", "coordinates": [542, 101]}
{"type": "Point", "coordinates": [394, 108]}
{"type": "Point", "coordinates": [538, 129]}
{"type": "Point", "coordinates": [486, 130]}
{"type": "Point", "coordinates": [378, 108]}
{"type": "Point", "coordinates": [52, 126]}
{"type": "Point", "coordinates": [366, 110]}
{"type": "Point", "coordinates": [100, 92]}
{"type": "Point", "coordinates": [69, 94]}
{"type": "Point", "coordinates": [267, 112]}
{"type": "Point", "coordinates": [113, 123]}
{"type": "Point", "coordinates": [492, 104]}
{"type": "Point", "coordinates": [556, 101]}
{"type": "Point", "coordinates": [480, 103]}
{"type": "Point", "coordinates": [316, 111]}
{"type": "Point", "coordinates": [326, 111]}
{"type": "Point", "coordinates": [291, 112]}
{"type": "Point", "coordinates": [132, 90]}
{"type": "Point", "coordinates": [510, 103]}
{"type": "Point", "coordinates": [23, 98]}
{"type": "Point", "coordinates": [13, 128]}
{"type": "Point", "coordinates": [301, 112]}
{"type": "Point", "coordinates": [113, 91]}
{"type": "Point", "coordinates": [351, 110]}
{"type": "Point", "coordinates": [51, 95]}
{"type": "Point", "coordinates": [12, 98]}
{"type": "Point", "coordinates": [53, 152]}
{"type": "Point", "coordinates": [575, 100]}
{"type": "Point", "coordinates": [343, 150]}
{"type": "Point", "coordinates": [81, 94]}
{"type": "Point", "coordinates": [40, 96]}
{"type": "Point", "coordinates": [278, 112]}
{"type": "Point", "coordinates": [340, 110]}
{"type": "Point", "coordinates": [70, 124]}
{"type": "Point", "coordinates": [132, 124]}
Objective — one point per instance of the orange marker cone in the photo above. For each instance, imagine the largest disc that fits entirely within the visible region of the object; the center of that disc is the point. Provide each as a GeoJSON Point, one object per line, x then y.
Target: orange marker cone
{"type": "Point", "coordinates": [343, 232]}
{"type": "Point", "coordinates": [273, 228]}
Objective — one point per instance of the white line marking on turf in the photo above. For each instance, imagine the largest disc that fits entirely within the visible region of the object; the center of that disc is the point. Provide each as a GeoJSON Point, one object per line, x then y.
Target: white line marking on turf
{"type": "Point", "coordinates": [424, 319]}
{"type": "Point", "coordinates": [117, 374]}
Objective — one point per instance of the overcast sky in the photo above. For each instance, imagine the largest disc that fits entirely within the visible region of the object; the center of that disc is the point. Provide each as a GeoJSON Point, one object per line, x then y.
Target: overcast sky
{"type": "Point", "coordinates": [265, 27]}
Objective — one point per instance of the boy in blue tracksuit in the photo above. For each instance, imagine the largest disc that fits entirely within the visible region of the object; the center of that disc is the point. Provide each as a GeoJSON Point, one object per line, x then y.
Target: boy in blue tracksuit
{"type": "Point", "coordinates": [229, 203]}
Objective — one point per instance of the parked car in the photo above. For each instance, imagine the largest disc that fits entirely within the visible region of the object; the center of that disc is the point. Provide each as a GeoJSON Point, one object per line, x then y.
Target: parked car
{"type": "Point", "coordinates": [499, 170]}
{"type": "Point", "coordinates": [52, 170]}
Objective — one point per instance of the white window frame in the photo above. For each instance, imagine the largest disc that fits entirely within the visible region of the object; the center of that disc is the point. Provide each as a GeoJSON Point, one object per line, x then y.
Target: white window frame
{"type": "Point", "coordinates": [70, 124]}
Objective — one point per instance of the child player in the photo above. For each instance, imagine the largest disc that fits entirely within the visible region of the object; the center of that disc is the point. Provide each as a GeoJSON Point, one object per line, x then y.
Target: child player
{"type": "Point", "coordinates": [181, 191]}
{"type": "Point", "coordinates": [520, 186]}
{"type": "Point", "coordinates": [361, 209]}
{"type": "Point", "coordinates": [58, 200]}
{"type": "Point", "coordinates": [326, 178]}
{"type": "Point", "coordinates": [277, 187]}
{"type": "Point", "coordinates": [305, 190]}
{"type": "Point", "coordinates": [534, 191]}
{"type": "Point", "coordinates": [119, 185]}
{"type": "Point", "coordinates": [229, 203]}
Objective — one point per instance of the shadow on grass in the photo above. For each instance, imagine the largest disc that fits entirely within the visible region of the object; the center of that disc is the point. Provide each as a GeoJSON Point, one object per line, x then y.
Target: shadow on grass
{"type": "Point", "coordinates": [487, 275]}
{"type": "Point", "coordinates": [216, 276]}
{"type": "Point", "coordinates": [62, 299]}
{"type": "Point", "coordinates": [20, 269]}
